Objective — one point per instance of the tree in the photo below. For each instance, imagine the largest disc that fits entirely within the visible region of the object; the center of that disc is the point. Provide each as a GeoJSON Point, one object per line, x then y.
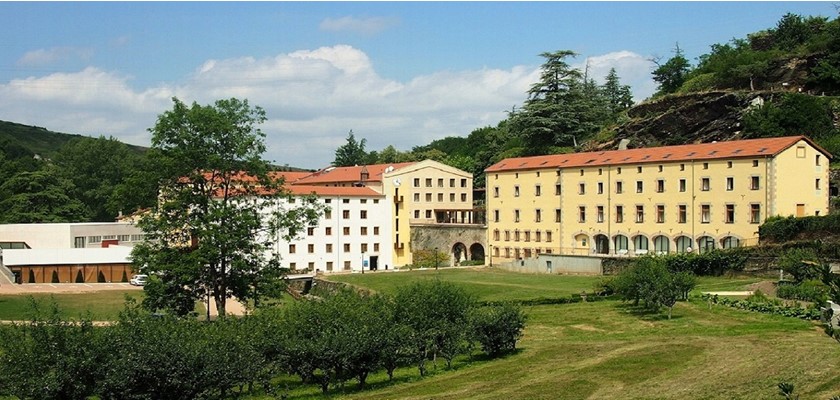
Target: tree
{"type": "Point", "coordinates": [39, 197]}
{"type": "Point", "coordinates": [672, 73]}
{"type": "Point", "coordinates": [619, 97]}
{"type": "Point", "coordinates": [498, 327]}
{"type": "Point", "coordinates": [351, 153]}
{"type": "Point", "coordinates": [221, 211]}
{"type": "Point", "coordinates": [650, 281]}
{"type": "Point", "coordinates": [97, 167]}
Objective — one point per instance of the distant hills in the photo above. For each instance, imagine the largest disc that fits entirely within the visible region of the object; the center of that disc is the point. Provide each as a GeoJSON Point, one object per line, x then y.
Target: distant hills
{"type": "Point", "coordinates": [38, 140]}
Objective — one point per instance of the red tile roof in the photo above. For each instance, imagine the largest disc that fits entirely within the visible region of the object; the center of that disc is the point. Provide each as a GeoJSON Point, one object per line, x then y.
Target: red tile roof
{"type": "Point", "coordinates": [334, 191]}
{"type": "Point", "coordinates": [688, 152]}
{"type": "Point", "coordinates": [348, 174]}
{"type": "Point", "coordinates": [289, 176]}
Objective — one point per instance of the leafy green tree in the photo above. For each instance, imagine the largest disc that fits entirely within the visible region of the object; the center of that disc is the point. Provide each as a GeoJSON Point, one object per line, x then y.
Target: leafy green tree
{"type": "Point", "coordinates": [671, 74]}
{"type": "Point", "coordinates": [391, 155]}
{"type": "Point", "coordinates": [97, 167]}
{"type": "Point", "coordinates": [213, 230]}
{"type": "Point", "coordinates": [793, 114]}
{"type": "Point", "coordinates": [39, 197]}
{"type": "Point", "coordinates": [498, 327]}
{"type": "Point", "coordinates": [650, 282]}
{"type": "Point", "coordinates": [351, 153]}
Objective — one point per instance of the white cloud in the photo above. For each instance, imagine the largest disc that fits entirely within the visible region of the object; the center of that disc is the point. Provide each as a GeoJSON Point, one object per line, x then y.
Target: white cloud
{"type": "Point", "coordinates": [42, 57]}
{"type": "Point", "coordinates": [312, 99]}
{"type": "Point", "coordinates": [366, 26]}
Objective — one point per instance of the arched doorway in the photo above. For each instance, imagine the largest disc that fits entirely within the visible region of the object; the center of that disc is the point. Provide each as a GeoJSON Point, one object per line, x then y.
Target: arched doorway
{"type": "Point", "coordinates": [661, 244]}
{"type": "Point", "coordinates": [602, 244]}
{"type": "Point", "coordinates": [705, 243]}
{"type": "Point", "coordinates": [459, 252]}
{"type": "Point", "coordinates": [622, 244]}
{"type": "Point", "coordinates": [730, 242]}
{"type": "Point", "coordinates": [640, 244]}
{"type": "Point", "coordinates": [477, 252]}
{"type": "Point", "coordinates": [683, 244]}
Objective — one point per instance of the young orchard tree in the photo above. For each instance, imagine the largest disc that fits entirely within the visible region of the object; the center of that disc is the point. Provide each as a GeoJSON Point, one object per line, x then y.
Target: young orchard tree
{"type": "Point", "coordinates": [220, 211]}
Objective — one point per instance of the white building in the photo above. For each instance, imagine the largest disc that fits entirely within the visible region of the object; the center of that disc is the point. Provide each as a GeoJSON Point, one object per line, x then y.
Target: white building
{"type": "Point", "coordinates": [69, 235]}
{"type": "Point", "coordinates": [354, 233]}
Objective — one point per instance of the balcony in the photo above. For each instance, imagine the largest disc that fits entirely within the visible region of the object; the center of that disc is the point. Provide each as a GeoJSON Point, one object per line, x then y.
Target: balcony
{"type": "Point", "coordinates": [463, 217]}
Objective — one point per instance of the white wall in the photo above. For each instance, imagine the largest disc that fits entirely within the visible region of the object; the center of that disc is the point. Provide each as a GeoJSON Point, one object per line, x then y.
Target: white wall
{"type": "Point", "coordinates": [61, 236]}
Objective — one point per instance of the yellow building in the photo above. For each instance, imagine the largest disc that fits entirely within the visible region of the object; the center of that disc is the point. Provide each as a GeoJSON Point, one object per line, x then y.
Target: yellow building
{"type": "Point", "coordinates": [652, 200]}
{"type": "Point", "coordinates": [416, 191]}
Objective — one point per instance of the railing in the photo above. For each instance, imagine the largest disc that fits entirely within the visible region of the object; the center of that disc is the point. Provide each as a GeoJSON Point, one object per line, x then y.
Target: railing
{"type": "Point", "coordinates": [468, 217]}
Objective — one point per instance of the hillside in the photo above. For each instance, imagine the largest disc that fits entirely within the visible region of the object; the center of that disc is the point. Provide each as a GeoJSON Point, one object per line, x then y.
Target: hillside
{"type": "Point", "coordinates": [38, 140]}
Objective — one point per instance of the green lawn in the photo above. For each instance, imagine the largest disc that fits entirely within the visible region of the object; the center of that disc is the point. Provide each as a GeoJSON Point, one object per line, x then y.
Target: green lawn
{"type": "Point", "coordinates": [606, 350]}
{"type": "Point", "coordinates": [103, 306]}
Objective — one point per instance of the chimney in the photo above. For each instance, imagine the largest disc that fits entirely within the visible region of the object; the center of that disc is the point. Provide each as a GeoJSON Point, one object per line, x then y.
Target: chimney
{"type": "Point", "coordinates": [365, 175]}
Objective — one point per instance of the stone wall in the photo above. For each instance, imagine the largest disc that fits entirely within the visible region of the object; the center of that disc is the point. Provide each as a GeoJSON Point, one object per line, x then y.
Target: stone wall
{"type": "Point", "coordinates": [444, 237]}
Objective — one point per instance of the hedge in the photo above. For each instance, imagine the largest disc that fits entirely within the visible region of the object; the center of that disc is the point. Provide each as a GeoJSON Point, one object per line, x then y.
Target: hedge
{"type": "Point", "coordinates": [783, 229]}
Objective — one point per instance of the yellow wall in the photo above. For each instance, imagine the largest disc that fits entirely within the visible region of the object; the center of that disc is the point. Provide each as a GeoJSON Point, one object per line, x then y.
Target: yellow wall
{"type": "Point", "coordinates": [780, 187]}
{"type": "Point", "coordinates": [449, 188]}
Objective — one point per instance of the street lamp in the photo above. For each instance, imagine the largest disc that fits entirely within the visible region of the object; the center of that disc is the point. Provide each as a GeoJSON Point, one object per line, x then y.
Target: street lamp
{"type": "Point", "coordinates": [491, 255]}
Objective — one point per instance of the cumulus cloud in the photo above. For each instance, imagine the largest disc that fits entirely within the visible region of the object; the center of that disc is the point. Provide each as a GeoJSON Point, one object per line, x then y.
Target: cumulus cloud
{"type": "Point", "coordinates": [41, 57]}
{"type": "Point", "coordinates": [312, 99]}
{"type": "Point", "coordinates": [363, 25]}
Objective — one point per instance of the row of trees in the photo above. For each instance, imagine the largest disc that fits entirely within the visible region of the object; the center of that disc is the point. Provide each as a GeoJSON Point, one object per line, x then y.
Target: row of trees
{"type": "Point", "coordinates": [326, 342]}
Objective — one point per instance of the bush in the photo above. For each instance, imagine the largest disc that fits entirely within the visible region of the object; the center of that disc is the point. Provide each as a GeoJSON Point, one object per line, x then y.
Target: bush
{"type": "Point", "coordinates": [497, 328]}
{"type": "Point", "coordinates": [769, 307]}
{"type": "Point", "coordinates": [802, 264]}
{"type": "Point", "coordinates": [812, 291]}
{"type": "Point", "coordinates": [782, 229]}
{"type": "Point", "coordinates": [714, 263]}
{"type": "Point", "coordinates": [650, 282]}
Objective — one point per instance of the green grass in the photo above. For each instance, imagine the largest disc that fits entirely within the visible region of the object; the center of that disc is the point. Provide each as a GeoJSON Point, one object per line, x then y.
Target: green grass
{"type": "Point", "coordinates": [485, 284]}
{"type": "Point", "coordinates": [607, 350]}
{"type": "Point", "coordinates": [102, 306]}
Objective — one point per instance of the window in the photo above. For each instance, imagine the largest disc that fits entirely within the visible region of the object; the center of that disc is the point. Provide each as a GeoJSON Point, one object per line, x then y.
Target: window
{"type": "Point", "coordinates": [557, 215]}
{"type": "Point", "coordinates": [346, 265]}
{"type": "Point", "coordinates": [310, 248]}
{"type": "Point", "coordinates": [428, 182]}
{"type": "Point", "coordinates": [376, 247]}
{"type": "Point", "coordinates": [416, 182]}
{"type": "Point", "coordinates": [682, 167]}
{"type": "Point", "coordinates": [516, 191]}
{"type": "Point", "coordinates": [729, 164]}
{"type": "Point", "coordinates": [600, 187]}
{"type": "Point", "coordinates": [557, 190]}
{"type": "Point", "coordinates": [619, 187]}
{"type": "Point", "coordinates": [463, 183]}
{"type": "Point", "coordinates": [440, 197]}
{"type": "Point", "coordinates": [292, 249]}
{"type": "Point", "coordinates": [345, 214]}
{"type": "Point", "coordinates": [416, 213]}
{"type": "Point", "coordinates": [440, 182]}
{"type": "Point", "coordinates": [364, 247]}
{"type": "Point", "coordinates": [516, 235]}
{"type": "Point", "coordinates": [375, 230]}
{"type": "Point", "coordinates": [538, 190]}
{"type": "Point", "coordinates": [581, 188]}
{"type": "Point", "coordinates": [328, 231]}
{"type": "Point", "coordinates": [755, 163]}
{"type": "Point", "coordinates": [345, 201]}
{"type": "Point", "coordinates": [660, 168]}
{"type": "Point", "coordinates": [363, 214]}
{"type": "Point", "coordinates": [495, 191]}
{"type": "Point", "coordinates": [639, 169]}
{"type": "Point", "coordinates": [639, 186]}
{"type": "Point", "coordinates": [618, 170]}
{"type": "Point", "coordinates": [125, 238]}
{"type": "Point", "coordinates": [640, 214]}
{"type": "Point", "coordinates": [293, 266]}
{"type": "Point", "coordinates": [527, 236]}
{"type": "Point", "coordinates": [327, 201]}
{"type": "Point", "coordinates": [730, 183]}
{"type": "Point", "coordinates": [800, 151]}
{"type": "Point", "coordinates": [818, 160]}
{"type": "Point", "coordinates": [754, 183]}
{"type": "Point", "coordinates": [682, 185]}
{"type": "Point", "coordinates": [428, 213]}
{"type": "Point", "coordinates": [704, 184]}
{"type": "Point", "coordinates": [582, 214]}
{"type": "Point", "coordinates": [363, 201]}
{"type": "Point", "coordinates": [599, 214]}
{"type": "Point", "coordinates": [581, 172]}
{"type": "Point", "coordinates": [682, 214]}
{"type": "Point", "coordinates": [730, 214]}
{"type": "Point", "coordinates": [346, 247]}
{"type": "Point", "coordinates": [428, 197]}
{"type": "Point", "coordinates": [310, 231]}
{"type": "Point", "coordinates": [346, 231]}
{"type": "Point", "coordinates": [619, 214]}
{"type": "Point", "coordinates": [507, 236]}
{"type": "Point", "coordinates": [94, 239]}
{"type": "Point", "coordinates": [463, 197]}
{"type": "Point", "coordinates": [495, 215]}
{"type": "Point", "coordinates": [705, 213]}
{"type": "Point", "coordinates": [515, 215]}
{"type": "Point", "coordinates": [363, 231]}
{"type": "Point", "coordinates": [451, 182]}
{"type": "Point", "coordinates": [817, 184]}
{"type": "Point", "coordinates": [537, 236]}
{"type": "Point", "coordinates": [109, 237]}
{"type": "Point", "coordinates": [660, 214]}
{"type": "Point", "coordinates": [705, 165]}
{"type": "Point", "coordinates": [496, 235]}
{"type": "Point", "coordinates": [755, 213]}
{"type": "Point", "coordinates": [452, 197]}
{"type": "Point", "coordinates": [329, 247]}
{"type": "Point", "coordinates": [600, 171]}
{"type": "Point", "coordinates": [547, 236]}
{"type": "Point", "coordinates": [660, 185]}
{"type": "Point", "coordinates": [538, 216]}
{"type": "Point", "coordinates": [416, 197]}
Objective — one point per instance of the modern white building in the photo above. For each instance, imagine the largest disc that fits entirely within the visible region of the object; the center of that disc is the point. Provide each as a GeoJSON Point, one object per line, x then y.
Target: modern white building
{"type": "Point", "coordinates": [69, 235]}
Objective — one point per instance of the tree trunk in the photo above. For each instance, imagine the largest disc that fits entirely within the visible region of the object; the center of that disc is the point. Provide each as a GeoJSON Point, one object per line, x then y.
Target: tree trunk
{"type": "Point", "coordinates": [362, 379]}
{"type": "Point", "coordinates": [669, 312]}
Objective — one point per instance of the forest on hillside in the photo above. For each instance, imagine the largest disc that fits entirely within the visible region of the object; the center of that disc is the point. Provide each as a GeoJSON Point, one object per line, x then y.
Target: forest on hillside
{"type": "Point", "coordinates": [794, 66]}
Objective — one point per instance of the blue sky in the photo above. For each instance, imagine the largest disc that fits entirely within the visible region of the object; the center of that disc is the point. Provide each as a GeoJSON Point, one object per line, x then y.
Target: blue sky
{"type": "Point", "coordinates": [396, 73]}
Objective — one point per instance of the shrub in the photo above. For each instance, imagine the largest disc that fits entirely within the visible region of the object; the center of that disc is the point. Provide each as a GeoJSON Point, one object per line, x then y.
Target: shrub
{"type": "Point", "coordinates": [651, 282]}
{"type": "Point", "coordinates": [497, 328]}
{"type": "Point", "coordinates": [813, 291]}
{"type": "Point", "coordinates": [782, 229]}
{"type": "Point", "coordinates": [605, 286]}
{"type": "Point", "coordinates": [715, 262]}
{"type": "Point", "coordinates": [802, 264]}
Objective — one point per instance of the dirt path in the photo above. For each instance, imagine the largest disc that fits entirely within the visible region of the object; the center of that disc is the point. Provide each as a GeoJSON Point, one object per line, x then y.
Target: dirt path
{"type": "Point", "coordinates": [64, 287]}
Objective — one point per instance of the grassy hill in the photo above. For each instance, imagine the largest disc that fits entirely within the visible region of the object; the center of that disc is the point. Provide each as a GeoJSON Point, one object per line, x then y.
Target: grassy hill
{"type": "Point", "coordinates": [38, 140]}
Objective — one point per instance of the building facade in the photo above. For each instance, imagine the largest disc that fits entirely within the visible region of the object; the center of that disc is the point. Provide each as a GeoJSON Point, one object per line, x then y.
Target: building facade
{"type": "Point", "coordinates": [69, 235]}
{"type": "Point", "coordinates": [652, 200]}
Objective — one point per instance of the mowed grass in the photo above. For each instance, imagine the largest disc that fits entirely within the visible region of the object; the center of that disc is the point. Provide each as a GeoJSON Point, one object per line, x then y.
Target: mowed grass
{"type": "Point", "coordinates": [98, 306]}
{"type": "Point", "coordinates": [607, 350]}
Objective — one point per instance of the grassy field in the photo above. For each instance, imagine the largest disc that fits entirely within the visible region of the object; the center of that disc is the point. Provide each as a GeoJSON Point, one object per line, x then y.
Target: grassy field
{"type": "Point", "coordinates": [606, 350]}
{"type": "Point", "coordinates": [103, 306]}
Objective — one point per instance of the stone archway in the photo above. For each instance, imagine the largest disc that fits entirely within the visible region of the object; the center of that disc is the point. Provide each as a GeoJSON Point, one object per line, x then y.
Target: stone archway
{"type": "Point", "coordinates": [459, 252]}
{"type": "Point", "coordinates": [476, 252]}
